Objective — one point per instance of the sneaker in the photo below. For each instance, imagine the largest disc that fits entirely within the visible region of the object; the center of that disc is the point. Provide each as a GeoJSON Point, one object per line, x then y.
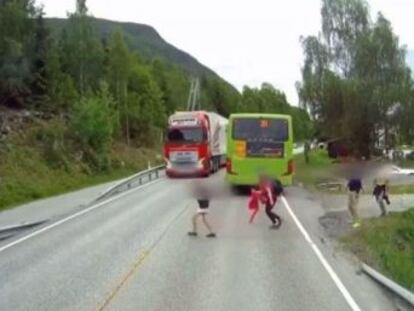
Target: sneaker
{"type": "Point", "coordinates": [192, 233]}
{"type": "Point", "coordinates": [211, 235]}
{"type": "Point", "coordinates": [356, 224]}
{"type": "Point", "coordinates": [276, 225]}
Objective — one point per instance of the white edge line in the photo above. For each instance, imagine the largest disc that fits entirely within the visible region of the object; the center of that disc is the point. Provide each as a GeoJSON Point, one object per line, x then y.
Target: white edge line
{"type": "Point", "coordinates": [349, 299]}
{"type": "Point", "coordinates": [73, 216]}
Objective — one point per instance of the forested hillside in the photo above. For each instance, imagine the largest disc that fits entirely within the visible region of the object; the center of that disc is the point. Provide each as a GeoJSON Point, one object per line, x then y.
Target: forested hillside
{"type": "Point", "coordinates": [355, 79]}
{"type": "Point", "coordinates": [141, 38]}
{"type": "Point", "coordinates": [84, 100]}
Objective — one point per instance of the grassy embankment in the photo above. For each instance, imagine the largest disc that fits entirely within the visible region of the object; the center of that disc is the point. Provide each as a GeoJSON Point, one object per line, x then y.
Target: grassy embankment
{"type": "Point", "coordinates": [323, 169]}
{"type": "Point", "coordinates": [384, 243]}
{"type": "Point", "coordinates": [320, 169]}
{"type": "Point", "coordinates": [388, 245]}
{"type": "Point", "coordinates": [403, 189]}
{"type": "Point", "coordinates": [32, 168]}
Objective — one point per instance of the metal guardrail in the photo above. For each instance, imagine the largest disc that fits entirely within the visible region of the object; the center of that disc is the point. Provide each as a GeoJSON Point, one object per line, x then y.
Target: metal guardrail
{"type": "Point", "coordinates": [402, 292]}
{"type": "Point", "coordinates": [131, 182]}
{"type": "Point", "coordinates": [10, 231]}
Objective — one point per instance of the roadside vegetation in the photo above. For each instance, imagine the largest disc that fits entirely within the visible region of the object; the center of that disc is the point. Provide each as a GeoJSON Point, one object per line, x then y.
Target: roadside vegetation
{"type": "Point", "coordinates": [37, 165]}
{"type": "Point", "coordinates": [99, 107]}
{"type": "Point", "coordinates": [388, 245]}
{"type": "Point", "coordinates": [406, 163]}
{"type": "Point", "coordinates": [323, 174]}
{"type": "Point", "coordinates": [402, 189]}
{"type": "Point", "coordinates": [354, 74]}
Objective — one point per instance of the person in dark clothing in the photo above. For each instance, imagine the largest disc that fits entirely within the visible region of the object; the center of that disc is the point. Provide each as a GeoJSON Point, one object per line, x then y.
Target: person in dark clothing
{"type": "Point", "coordinates": [380, 193]}
{"type": "Point", "coordinates": [269, 199]}
{"type": "Point", "coordinates": [354, 188]}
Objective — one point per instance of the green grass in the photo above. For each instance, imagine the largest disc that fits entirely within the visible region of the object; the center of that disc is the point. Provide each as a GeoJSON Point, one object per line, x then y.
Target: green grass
{"type": "Point", "coordinates": [388, 245]}
{"type": "Point", "coordinates": [406, 163]}
{"type": "Point", "coordinates": [319, 169]}
{"type": "Point", "coordinates": [26, 173]}
{"type": "Point", "coordinates": [402, 189]}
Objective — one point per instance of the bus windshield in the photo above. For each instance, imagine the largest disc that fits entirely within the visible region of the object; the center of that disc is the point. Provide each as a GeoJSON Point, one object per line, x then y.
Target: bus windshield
{"type": "Point", "coordinates": [261, 129]}
{"type": "Point", "coordinates": [186, 135]}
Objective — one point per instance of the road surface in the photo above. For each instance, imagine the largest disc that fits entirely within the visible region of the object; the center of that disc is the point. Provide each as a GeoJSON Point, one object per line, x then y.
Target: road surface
{"type": "Point", "coordinates": [133, 254]}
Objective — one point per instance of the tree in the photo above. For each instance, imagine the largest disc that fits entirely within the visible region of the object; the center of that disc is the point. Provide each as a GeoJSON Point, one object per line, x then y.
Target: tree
{"type": "Point", "coordinates": [39, 62]}
{"type": "Point", "coordinates": [17, 29]}
{"type": "Point", "coordinates": [313, 72]}
{"type": "Point", "coordinates": [93, 123]}
{"type": "Point", "coordinates": [343, 22]}
{"type": "Point", "coordinates": [174, 84]}
{"type": "Point", "coordinates": [353, 75]}
{"type": "Point", "coordinates": [147, 113]}
{"type": "Point", "coordinates": [118, 72]}
{"type": "Point", "coordinates": [83, 54]}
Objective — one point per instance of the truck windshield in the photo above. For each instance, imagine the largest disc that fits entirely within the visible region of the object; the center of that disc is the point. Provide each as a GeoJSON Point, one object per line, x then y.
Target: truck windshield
{"type": "Point", "coordinates": [187, 135]}
{"type": "Point", "coordinates": [261, 129]}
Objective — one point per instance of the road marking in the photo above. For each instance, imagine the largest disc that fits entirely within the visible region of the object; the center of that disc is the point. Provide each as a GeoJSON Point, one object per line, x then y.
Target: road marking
{"type": "Point", "coordinates": [73, 216]}
{"type": "Point", "coordinates": [130, 273]}
{"type": "Point", "coordinates": [140, 260]}
{"type": "Point", "coordinates": [349, 299]}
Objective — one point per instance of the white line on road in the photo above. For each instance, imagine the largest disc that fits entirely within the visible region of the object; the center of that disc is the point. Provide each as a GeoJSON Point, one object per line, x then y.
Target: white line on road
{"type": "Point", "coordinates": [351, 302]}
{"type": "Point", "coordinates": [73, 216]}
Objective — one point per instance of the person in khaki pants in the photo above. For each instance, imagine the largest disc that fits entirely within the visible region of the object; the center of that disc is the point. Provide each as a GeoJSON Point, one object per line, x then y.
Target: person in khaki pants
{"type": "Point", "coordinates": [354, 188]}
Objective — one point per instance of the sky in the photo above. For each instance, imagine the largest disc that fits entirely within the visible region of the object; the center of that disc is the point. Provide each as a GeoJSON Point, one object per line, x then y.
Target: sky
{"type": "Point", "coordinates": [246, 42]}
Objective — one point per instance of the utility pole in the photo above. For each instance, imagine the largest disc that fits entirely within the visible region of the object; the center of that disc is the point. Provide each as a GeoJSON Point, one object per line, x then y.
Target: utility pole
{"type": "Point", "coordinates": [193, 102]}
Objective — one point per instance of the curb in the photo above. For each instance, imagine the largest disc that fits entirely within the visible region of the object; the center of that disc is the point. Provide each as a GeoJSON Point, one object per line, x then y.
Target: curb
{"type": "Point", "coordinates": [402, 292]}
{"type": "Point", "coordinates": [21, 226]}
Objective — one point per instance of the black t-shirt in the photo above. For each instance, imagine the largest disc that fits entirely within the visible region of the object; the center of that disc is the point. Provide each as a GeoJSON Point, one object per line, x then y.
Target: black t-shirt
{"type": "Point", "coordinates": [355, 185]}
{"type": "Point", "coordinates": [203, 203]}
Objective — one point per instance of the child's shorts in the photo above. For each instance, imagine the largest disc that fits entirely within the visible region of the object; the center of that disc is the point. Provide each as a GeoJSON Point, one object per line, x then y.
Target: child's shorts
{"type": "Point", "coordinates": [202, 211]}
{"type": "Point", "coordinates": [203, 206]}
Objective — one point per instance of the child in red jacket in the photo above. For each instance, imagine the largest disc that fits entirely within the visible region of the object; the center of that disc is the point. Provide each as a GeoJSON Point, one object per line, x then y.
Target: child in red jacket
{"type": "Point", "coordinates": [253, 204]}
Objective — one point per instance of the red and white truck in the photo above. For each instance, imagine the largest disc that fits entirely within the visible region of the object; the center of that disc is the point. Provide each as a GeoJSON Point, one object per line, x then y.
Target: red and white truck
{"type": "Point", "coordinates": [195, 143]}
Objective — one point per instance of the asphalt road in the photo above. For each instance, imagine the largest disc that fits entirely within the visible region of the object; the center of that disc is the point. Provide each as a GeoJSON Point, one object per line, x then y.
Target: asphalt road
{"type": "Point", "coordinates": [133, 254]}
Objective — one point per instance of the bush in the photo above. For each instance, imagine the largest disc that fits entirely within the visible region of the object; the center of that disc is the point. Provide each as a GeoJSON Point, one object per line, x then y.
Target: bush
{"type": "Point", "coordinates": [387, 244]}
{"type": "Point", "coordinates": [51, 135]}
{"type": "Point", "coordinates": [93, 124]}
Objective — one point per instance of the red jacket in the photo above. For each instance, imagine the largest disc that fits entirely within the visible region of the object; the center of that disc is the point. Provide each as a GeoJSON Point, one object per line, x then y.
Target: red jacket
{"type": "Point", "coordinates": [254, 199]}
{"type": "Point", "coordinates": [267, 194]}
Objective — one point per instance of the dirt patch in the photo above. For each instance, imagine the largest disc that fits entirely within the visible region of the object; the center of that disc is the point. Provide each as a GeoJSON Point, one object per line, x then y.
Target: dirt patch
{"type": "Point", "coordinates": [336, 224]}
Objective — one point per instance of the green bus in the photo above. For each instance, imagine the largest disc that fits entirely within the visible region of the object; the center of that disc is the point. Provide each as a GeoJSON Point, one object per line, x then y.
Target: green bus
{"type": "Point", "coordinates": [259, 144]}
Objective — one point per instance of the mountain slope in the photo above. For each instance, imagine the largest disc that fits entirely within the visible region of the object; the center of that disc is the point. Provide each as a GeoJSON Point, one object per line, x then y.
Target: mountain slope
{"type": "Point", "coordinates": [145, 39]}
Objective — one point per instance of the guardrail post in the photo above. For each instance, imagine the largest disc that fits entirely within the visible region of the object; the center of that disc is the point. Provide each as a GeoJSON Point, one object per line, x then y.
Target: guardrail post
{"type": "Point", "coordinates": [157, 173]}
{"type": "Point", "coordinates": [140, 181]}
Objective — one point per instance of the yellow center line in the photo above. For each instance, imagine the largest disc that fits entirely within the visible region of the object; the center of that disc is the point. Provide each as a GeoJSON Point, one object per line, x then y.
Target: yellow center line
{"type": "Point", "coordinates": [130, 273]}
{"type": "Point", "coordinates": [138, 262]}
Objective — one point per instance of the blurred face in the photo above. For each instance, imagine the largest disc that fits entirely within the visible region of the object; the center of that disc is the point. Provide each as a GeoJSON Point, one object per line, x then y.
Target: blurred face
{"type": "Point", "coordinates": [263, 179]}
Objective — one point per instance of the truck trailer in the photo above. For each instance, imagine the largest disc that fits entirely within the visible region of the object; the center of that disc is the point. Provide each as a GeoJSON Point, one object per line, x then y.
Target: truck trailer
{"type": "Point", "coordinates": [195, 143]}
